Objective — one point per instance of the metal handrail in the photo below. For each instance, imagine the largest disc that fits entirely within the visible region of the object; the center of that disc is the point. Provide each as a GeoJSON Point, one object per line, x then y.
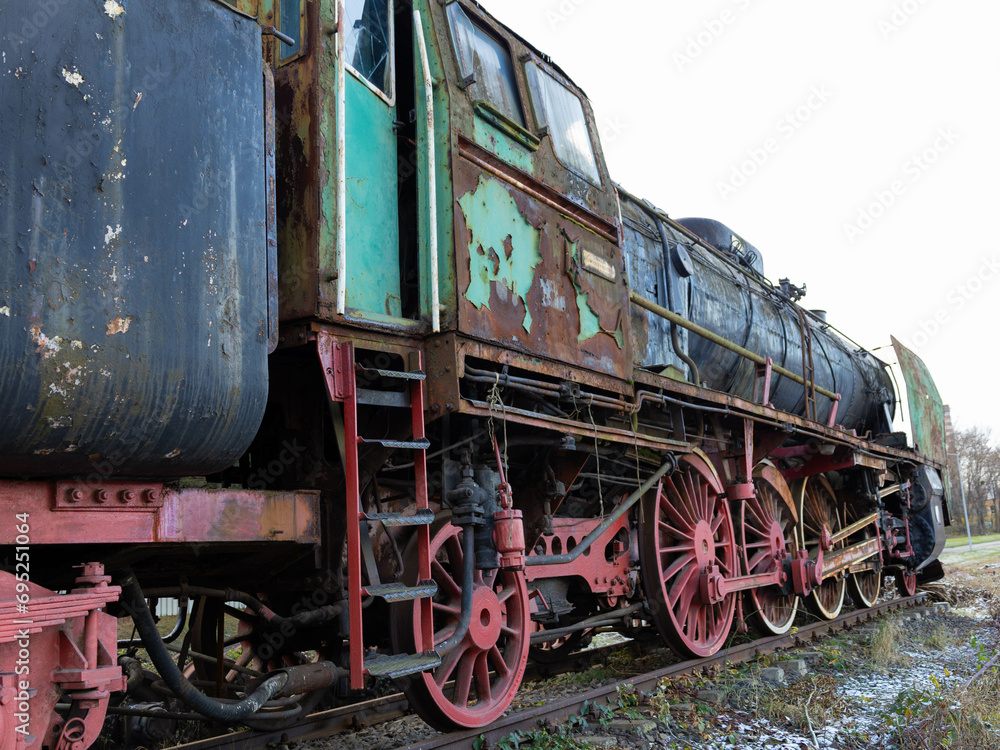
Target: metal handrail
{"type": "Point", "coordinates": [727, 344]}
{"type": "Point", "coordinates": [425, 67]}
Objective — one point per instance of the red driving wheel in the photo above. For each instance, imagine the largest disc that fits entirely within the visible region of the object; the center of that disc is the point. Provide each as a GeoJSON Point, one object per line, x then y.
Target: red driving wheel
{"type": "Point", "coordinates": [477, 680]}
{"type": "Point", "coordinates": [768, 531]}
{"type": "Point", "coordinates": [687, 529]}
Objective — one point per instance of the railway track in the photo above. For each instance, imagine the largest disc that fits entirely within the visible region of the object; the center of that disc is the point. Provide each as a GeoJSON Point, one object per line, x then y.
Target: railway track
{"type": "Point", "coordinates": [380, 710]}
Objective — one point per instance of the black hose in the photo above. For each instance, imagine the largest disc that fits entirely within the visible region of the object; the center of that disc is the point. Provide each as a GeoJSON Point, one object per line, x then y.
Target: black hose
{"type": "Point", "coordinates": [135, 604]}
{"type": "Point", "coordinates": [133, 669]}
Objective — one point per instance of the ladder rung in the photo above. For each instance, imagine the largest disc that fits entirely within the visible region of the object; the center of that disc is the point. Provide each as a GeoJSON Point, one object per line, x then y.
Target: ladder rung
{"type": "Point", "coordinates": [398, 375]}
{"type": "Point", "coordinates": [400, 665]}
{"type": "Point", "coordinates": [420, 518]}
{"type": "Point", "coordinates": [414, 445]}
{"type": "Point", "coordinates": [400, 592]}
{"type": "Point", "coordinates": [383, 398]}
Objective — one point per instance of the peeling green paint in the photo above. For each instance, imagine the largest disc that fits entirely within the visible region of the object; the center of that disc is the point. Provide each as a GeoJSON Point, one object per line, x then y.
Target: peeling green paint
{"type": "Point", "coordinates": [504, 247]}
{"type": "Point", "coordinates": [590, 322]}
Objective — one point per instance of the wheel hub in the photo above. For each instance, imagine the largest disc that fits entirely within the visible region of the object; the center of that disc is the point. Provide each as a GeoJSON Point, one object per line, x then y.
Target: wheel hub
{"type": "Point", "coordinates": [704, 544]}
{"type": "Point", "coordinates": [484, 630]}
{"type": "Point", "coordinates": [777, 535]}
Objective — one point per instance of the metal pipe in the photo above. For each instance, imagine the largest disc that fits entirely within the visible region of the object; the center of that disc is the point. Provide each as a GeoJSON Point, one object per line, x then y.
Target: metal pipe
{"type": "Point", "coordinates": [341, 165]}
{"type": "Point", "coordinates": [616, 514]}
{"type": "Point", "coordinates": [675, 339]}
{"type": "Point", "coordinates": [724, 343]}
{"type": "Point", "coordinates": [601, 620]}
{"type": "Point", "coordinates": [468, 582]}
{"type": "Point", "coordinates": [418, 29]}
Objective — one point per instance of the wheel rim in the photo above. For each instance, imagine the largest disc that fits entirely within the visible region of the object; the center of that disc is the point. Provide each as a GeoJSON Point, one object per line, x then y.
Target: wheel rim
{"type": "Point", "coordinates": [687, 527]}
{"type": "Point", "coordinates": [819, 516]}
{"type": "Point", "coordinates": [906, 583]}
{"type": "Point", "coordinates": [477, 680]}
{"type": "Point", "coordinates": [768, 527]}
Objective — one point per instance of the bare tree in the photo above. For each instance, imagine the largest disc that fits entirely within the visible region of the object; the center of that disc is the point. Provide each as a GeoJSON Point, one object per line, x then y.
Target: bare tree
{"type": "Point", "coordinates": [980, 464]}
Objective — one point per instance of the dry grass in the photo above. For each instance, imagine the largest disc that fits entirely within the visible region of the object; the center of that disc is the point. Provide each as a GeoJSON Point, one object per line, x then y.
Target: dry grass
{"type": "Point", "coordinates": [884, 645]}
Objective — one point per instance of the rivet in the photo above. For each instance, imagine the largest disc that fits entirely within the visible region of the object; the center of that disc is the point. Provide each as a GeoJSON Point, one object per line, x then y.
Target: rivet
{"type": "Point", "coordinates": [75, 496]}
{"type": "Point", "coordinates": [102, 496]}
{"type": "Point", "coordinates": [127, 496]}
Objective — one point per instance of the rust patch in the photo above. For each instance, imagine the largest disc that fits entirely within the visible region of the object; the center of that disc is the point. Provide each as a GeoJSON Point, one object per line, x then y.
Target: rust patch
{"type": "Point", "coordinates": [119, 325]}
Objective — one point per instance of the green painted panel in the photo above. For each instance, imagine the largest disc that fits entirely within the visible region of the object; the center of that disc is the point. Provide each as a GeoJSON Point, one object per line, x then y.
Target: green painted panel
{"type": "Point", "coordinates": [502, 146]}
{"type": "Point", "coordinates": [504, 246]}
{"type": "Point", "coordinates": [926, 409]}
{"type": "Point", "coordinates": [372, 209]}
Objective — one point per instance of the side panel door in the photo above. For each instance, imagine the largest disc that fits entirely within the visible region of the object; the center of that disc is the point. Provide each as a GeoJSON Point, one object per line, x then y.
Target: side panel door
{"type": "Point", "coordinates": [372, 206]}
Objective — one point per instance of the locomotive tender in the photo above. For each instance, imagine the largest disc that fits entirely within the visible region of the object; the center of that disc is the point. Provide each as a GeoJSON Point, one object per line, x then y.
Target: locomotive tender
{"type": "Point", "coordinates": [326, 318]}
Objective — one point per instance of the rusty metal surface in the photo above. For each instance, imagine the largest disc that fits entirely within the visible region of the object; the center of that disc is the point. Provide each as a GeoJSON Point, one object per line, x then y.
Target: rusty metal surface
{"type": "Point", "coordinates": [133, 291]}
{"type": "Point", "coordinates": [190, 515]}
{"type": "Point", "coordinates": [926, 409]}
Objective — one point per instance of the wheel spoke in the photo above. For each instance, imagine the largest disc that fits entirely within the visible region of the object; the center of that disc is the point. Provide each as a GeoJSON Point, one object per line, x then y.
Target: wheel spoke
{"type": "Point", "coordinates": [676, 566]}
{"type": "Point", "coordinates": [451, 660]}
{"type": "Point", "coordinates": [446, 583]}
{"type": "Point", "coordinates": [675, 533]}
{"type": "Point", "coordinates": [447, 609]}
{"type": "Point", "coordinates": [496, 658]}
{"type": "Point", "coordinates": [482, 671]}
{"type": "Point", "coordinates": [682, 592]}
{"type": "Point", "coordinates": [463, 682]}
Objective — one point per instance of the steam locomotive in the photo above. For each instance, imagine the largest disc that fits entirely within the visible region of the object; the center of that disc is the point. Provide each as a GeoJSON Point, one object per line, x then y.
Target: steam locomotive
{"type": "Point", "coordinates": [326, 318]}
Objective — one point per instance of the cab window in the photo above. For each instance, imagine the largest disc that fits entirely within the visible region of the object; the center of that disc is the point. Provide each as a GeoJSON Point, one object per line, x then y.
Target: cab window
{"type": "Point", "coordinates": [485, 64]}
{"type": "Point", "coordinates": [561, 111]}
{"type": "Point", "coordinates": [290, 23]}
{"type": "Point", "coordinates": [368, 42]}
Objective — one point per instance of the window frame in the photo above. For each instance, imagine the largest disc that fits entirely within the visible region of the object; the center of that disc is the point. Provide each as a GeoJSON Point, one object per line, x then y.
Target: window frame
{"type": "Point", "coordinates": [390, 98]}
{"type": "Point", "coordinates": [546, 129]}
{"type": "Point", "coordinates": [520, 131]}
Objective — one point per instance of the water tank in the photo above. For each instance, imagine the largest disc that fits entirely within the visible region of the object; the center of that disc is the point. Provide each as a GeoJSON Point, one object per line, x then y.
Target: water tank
{"type": "Point", "coordinates": [133, 290]}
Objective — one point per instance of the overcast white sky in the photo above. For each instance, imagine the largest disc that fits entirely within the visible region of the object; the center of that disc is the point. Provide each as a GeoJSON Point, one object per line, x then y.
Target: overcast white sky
{"type": "Point", "coordinates": [855, 143]}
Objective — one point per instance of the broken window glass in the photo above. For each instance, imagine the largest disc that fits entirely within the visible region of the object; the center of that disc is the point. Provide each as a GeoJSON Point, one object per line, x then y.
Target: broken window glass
{"type": "Point", "coordinates": [368, 43]}
{"type": "Point", "coordinates": [485, 61]}
{"type": "Point", "coordinates": [561, 111]}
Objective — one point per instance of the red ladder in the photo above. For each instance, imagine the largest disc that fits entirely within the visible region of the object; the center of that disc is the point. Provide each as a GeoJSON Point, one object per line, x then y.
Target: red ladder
{"type": "Point", "coordinates": [340, 371]}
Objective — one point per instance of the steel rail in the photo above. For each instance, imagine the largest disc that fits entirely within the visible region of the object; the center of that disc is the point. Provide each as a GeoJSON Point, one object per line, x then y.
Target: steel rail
{"type": "Point", "coordinates": [553, 713]}
{"type": "Point", "coordinates": [380, 710]}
